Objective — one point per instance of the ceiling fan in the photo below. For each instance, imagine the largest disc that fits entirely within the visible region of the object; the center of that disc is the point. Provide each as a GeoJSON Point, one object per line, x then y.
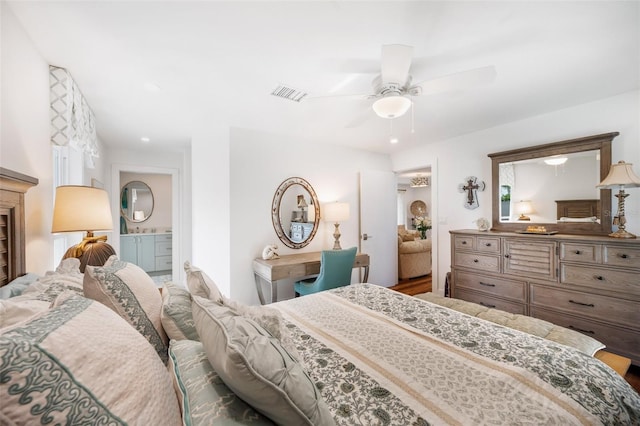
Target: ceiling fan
{"type": "Point", "coordinates": [393, 88]}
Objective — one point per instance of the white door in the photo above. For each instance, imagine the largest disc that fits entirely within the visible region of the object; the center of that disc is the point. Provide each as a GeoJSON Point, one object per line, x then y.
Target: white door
{"type": "Point", "coordinates": [378, 225]}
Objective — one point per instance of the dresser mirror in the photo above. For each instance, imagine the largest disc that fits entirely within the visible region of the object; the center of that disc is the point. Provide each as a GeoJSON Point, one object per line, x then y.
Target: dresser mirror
{"type": "Point", "coordinates": [136, 201]}
{"type": "Point", "coordinates": [295, 212]}
{"type": "Point", "coordinates": [553, 186]}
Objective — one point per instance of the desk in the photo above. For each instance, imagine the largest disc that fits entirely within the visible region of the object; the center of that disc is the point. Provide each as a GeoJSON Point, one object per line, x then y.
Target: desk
{"type": "Point", "coordinates": [295, 266]}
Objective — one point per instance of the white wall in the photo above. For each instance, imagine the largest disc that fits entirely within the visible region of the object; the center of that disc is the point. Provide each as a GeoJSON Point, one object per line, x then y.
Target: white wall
{"type": "Point", "coordinates": [467, 155]}
{"type": "Point", "coordinates": [25, 144]}
{"type": "Point", "coordinates": [256, 165]}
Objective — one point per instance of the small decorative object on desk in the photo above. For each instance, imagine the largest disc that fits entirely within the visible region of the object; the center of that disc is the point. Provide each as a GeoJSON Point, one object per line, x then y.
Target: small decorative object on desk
{"type": "Point", "coordinates": [422, 225]}
{"type": "Point", "coordinates": [482, 224]}
{"type": "Point", "coordinates": [269, 252]}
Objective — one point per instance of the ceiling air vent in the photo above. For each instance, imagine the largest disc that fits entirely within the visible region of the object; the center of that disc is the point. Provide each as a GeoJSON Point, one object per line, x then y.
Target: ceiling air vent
{"type": "Point", "coordinates": [288, 93]}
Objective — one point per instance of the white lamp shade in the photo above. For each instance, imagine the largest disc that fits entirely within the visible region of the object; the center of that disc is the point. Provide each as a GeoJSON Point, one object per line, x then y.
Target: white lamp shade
{"type": "Point", "coordinates": [391, 106]}
{"type": "Point", "coordinates": [335, 212]}
{"type": "Point", "coordinates": [620, 174]}
{"type": "Point", "coordinates": [81, 208]}
{"type": "Point", "coordinates": [524, 207]}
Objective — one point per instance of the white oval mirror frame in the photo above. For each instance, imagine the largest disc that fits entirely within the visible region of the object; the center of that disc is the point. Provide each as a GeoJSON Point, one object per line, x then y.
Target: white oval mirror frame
{"type": "Point", "coordinates": [298, 202]}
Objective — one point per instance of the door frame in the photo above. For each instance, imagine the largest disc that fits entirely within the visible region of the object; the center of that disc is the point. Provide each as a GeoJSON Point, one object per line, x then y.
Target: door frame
{"type": "Point", "coordinates": [176, 209]}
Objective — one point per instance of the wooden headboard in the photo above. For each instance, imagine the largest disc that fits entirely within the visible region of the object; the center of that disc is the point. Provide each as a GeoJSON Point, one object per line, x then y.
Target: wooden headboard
{"type": "Point", "coordinates": [578, 208]}
{"type": "Point", "coordinates": [13, 185]}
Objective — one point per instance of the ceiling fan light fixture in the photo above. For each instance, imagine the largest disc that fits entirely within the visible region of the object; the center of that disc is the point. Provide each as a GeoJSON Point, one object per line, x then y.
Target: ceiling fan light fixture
{"type": "Point", "coordinates": [391, 106]}
{"type": "Point", "coordinates": [555, 161]}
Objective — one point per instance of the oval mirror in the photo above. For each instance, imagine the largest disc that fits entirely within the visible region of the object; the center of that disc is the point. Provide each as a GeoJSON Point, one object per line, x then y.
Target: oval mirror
{"type": "Point", "coordinates": [136, 201]}
{"type": "Point", "coordinates": [295, 212]}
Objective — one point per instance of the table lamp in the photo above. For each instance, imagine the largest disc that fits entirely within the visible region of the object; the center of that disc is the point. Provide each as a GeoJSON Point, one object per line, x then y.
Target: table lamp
{"type": "Point", "coordinates": [620, 175]}
{"type": "Point", "coordinates": [524, 208]}
{"type": "Point", "coordinates": [335, 213]}
{"type": "Point", "coordinates": [84, 208]}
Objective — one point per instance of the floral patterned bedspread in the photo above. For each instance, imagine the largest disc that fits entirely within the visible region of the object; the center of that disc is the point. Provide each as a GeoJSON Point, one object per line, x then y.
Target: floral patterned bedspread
{"type": "Point", "coordinates": [383, 358]}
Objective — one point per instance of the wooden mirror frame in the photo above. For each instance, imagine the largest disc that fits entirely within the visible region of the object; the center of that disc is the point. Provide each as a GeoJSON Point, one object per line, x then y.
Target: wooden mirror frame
{"type": "Point", "coordinates": [598, 142]}
{"type": "Point", "coordinates": [275, 211]}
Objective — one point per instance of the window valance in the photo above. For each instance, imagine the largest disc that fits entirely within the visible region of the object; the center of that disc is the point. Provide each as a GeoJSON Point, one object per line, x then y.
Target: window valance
{"type": "Point", "coordinates": [72, 120]}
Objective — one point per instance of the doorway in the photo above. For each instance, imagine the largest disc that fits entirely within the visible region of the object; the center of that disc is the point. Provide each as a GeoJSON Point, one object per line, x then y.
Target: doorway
{"type": "Point", "coordinates": [146, 201]}
{"type": "Point", "coordinates": [415, 229]}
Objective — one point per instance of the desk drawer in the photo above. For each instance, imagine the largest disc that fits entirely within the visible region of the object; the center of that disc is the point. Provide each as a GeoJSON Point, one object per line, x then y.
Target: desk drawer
{"type": "Point", "coordinates": [480, 262]}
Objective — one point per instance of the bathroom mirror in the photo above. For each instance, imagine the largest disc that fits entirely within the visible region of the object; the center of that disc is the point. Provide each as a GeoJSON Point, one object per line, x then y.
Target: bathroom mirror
{"type": "Point", "coordinates": [136, 201]}
{"type": "Point", "coordinates": [295, 212]}
{"type": "Point", "coordinates": [553, 185]}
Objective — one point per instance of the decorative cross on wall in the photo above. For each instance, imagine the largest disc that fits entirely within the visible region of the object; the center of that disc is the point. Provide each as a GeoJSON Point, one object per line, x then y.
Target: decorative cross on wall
{"type": "Point", "coordinates": [471, 187]}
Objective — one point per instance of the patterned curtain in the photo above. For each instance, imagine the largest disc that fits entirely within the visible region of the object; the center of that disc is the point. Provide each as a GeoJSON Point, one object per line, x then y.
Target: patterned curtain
{"type": "Point", "coordinates": [72, 120]}
{"type": "Point", "coordinates": [507, 175]}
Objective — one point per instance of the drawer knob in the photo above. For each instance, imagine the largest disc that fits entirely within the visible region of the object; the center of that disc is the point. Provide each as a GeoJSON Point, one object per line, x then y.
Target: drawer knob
{"type": "Point", "coordinates": [487, 284]}
{"type": "Point", "coordinates": [488, 305]}
{"type": "Point", "coordinates": [581, 330]}
{"type": "Point", "coordinates": [464, 243]}
{"type": "Point", "coordinates": [488, 244]}
{"type": "Point", "coordinates": [599, 277]}
{"type": "Point", "coordinates": [578, 252]}
{"type": "Point", "coordinates": [506, 255]}
{"type": "Point", "coordinates": [624, 256]}
{"type": "Point", "coordinates": [475, 260]}
{"type": "Point", "coordinates": [590, 305]}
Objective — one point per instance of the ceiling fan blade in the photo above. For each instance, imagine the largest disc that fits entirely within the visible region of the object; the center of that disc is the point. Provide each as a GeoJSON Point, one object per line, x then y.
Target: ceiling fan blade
{"type": "Point", "coordinates": [396, 61]}
{"type": "Point", "coordinates": [459, 81]}
{"type": "Point", "coordinates": [345, 96]}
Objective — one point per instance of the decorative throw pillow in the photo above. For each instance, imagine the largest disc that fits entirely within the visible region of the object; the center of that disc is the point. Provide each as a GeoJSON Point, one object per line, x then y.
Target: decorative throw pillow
{"type": "Point", "coordinates": [132, 294]}
{"type": "Point", "coordinates": [200, 284]}
{"type": "Point", "coordinates": [79, 363]}
{"type": "Point", "coordinates": [203, 396]}
{"type": "Point", "coordinates": [17, 286]}
{"type": "Point", "coordinates": [408, 237]}
{"type": "Point", "coordinates": [175, 315]}
{"type": "Point", "coordinates": [257, 368]}
{"type": "Point", "coordinates": [268, 318]}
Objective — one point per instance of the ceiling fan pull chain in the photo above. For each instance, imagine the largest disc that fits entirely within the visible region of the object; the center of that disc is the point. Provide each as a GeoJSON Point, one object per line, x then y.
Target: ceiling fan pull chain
{"type": "Point", "coordinates": [413, 130]}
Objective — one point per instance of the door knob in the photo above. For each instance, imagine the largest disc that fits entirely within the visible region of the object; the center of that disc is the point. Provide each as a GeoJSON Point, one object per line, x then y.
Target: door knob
{"type": "Point", "coordinates": [366, 236]}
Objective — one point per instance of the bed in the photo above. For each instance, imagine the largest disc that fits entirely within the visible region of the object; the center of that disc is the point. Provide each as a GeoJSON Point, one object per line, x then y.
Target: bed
{"type": "Point", "coordinates": [360, 354]}
{"type": "Point", "coordinates": [578, 211]}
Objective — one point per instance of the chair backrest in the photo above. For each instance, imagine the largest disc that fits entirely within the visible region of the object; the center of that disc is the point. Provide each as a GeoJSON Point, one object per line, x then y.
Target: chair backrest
{"type": "Point", "coordinates": [335, 268]}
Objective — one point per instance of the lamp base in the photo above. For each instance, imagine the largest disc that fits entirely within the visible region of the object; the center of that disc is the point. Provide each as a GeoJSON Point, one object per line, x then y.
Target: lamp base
{"type": "Point", "coordinates": [621, 233]}
{"type": "Point", "coordinates": [336, 237]}
{"type": "Point", "coordinates": [90, 253]}
{"type": "Point", "coordinates": [523, 217]}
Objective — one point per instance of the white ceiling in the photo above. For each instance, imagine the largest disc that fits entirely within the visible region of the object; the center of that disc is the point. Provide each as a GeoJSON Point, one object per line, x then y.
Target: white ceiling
{"type": "Point", "coordinates": [217, 63]}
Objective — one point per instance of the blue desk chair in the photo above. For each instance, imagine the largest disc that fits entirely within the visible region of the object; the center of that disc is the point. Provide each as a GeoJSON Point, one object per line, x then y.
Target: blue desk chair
{"type": "Point", "coordinates": [335, 271]}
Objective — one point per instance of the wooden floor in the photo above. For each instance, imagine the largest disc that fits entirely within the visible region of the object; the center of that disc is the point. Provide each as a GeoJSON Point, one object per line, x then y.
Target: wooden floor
{"type": "Point", "coordinates": [423, 284]}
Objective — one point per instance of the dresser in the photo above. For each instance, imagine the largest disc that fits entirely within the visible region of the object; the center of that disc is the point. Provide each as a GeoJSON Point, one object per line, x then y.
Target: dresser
{"type": "Point", "coordinates": [152, 252]}
{"type": "Point", "coordinates": [300, 231]}
{"type": "Point", "coordinates": [590, 284]}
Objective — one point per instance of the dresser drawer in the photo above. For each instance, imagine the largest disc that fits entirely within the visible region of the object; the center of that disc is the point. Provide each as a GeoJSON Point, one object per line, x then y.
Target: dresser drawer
{"type": "Point", "coordinates": [490, 302]}
{"type": "Point", "coordinates": [576, 252]}
{"type": "Point", "coordinates": [464, 242]}
{"type": "Point", "coordinates": [601, 278]}
{"type": "Point", "coordinates": [495, 286]}
{"type": "Point", "coordinates": [585, 304]}
{"type": "Point", "coordinates": [621, 256]}
{"type": "Point", "coordinates": [488, 244]}
{"type": "Point", "coordinates": [620, 340]}
{"type": "Point", "coordinates": [163, 263]}
{"type": "Point", "coordinates": [478, 261]}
